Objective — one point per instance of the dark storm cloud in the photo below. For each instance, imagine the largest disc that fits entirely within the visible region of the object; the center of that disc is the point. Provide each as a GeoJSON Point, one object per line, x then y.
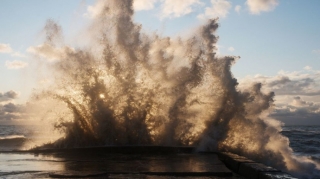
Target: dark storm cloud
{"type": "Point", "coordinates": [7, 96]}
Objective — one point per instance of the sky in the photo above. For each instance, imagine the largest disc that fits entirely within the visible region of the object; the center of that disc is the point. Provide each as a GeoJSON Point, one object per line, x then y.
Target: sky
{"type": "Point", "coordinates": [278, 43]}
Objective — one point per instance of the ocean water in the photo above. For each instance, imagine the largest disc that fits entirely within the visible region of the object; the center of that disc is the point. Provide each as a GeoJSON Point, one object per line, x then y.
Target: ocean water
{"type": "Point", "coordinates": [24, 137]}
{"type": "Point", "coordinates": [304, 140]}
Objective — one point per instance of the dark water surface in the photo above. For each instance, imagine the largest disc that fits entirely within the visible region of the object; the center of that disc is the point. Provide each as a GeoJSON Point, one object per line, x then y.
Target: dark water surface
{"type": "Point", "coordinates": [304, 140]}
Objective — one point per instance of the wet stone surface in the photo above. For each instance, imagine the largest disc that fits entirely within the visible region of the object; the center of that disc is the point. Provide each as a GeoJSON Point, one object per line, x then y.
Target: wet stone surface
{"type": "Point", "coordinates": [250, 169]}
{"type": "Point", "coordinates": [233, 161]}
{"type": "Point", "coordinates": [98, 164]}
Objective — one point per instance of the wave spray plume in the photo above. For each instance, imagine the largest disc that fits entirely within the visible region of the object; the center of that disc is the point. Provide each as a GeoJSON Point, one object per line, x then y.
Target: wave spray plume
{"type": "Point", "coordinates": [132, 88]}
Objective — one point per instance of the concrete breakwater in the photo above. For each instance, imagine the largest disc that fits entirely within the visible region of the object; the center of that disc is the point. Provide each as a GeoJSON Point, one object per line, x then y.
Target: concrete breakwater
{"type": "Point", "coordinates": [131, 162]}
{"type": "Point", "coordinates": [251, 169]}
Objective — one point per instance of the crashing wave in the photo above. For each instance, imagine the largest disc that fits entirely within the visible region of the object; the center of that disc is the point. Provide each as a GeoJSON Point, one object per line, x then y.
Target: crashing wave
{"type": "Point", "coordinates": [131, 88]}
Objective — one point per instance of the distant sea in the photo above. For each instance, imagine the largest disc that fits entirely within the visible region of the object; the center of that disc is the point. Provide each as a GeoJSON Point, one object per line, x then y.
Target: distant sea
{"type": "Point", "coordinates": [24, 137]}
{"type": "Point", "coordinates": [304, 140]}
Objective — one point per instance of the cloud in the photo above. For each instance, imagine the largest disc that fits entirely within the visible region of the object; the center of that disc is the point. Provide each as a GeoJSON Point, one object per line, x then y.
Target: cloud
{"type": "Point", "coordinates": [140, 5]}
{"type": "Point", "coordinates": [16, 64]}
{"type": "Point", "coordinates": [257, 6]}
{"type": "Point", "coordinates": [177, 8]}
{"type": "Point", "coordinates": [231, 49]}
{"type": "Point", "coordinates": [5, 48]}
{"type": "Point", "coordinates": [298, 83]}
{"type": "Point", "coordinates": [95, 10]}
{"type": "Point", "coordinates": [298, 111]}
{"type": "Point", "coordinates": [11, 111]}
{"type": "Point", "coordinates": [18, 54]}
{"type": "Point", "coordinates": [220, 8]}
{"type": "Point", "coordinates": [169, 8]}
{"type": "Point", "coordinates": [297, 95]}
{"type": "Point", "coordinates": [237, 8]}
{"type": "Point", "coordinates": [307, 68]}
{"type": "Point", "coordinates": [50, 52]}
{"type": "Point", "coordinates": [8, 96]}
{"type": "Point", "coordinates": [10, 108]}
